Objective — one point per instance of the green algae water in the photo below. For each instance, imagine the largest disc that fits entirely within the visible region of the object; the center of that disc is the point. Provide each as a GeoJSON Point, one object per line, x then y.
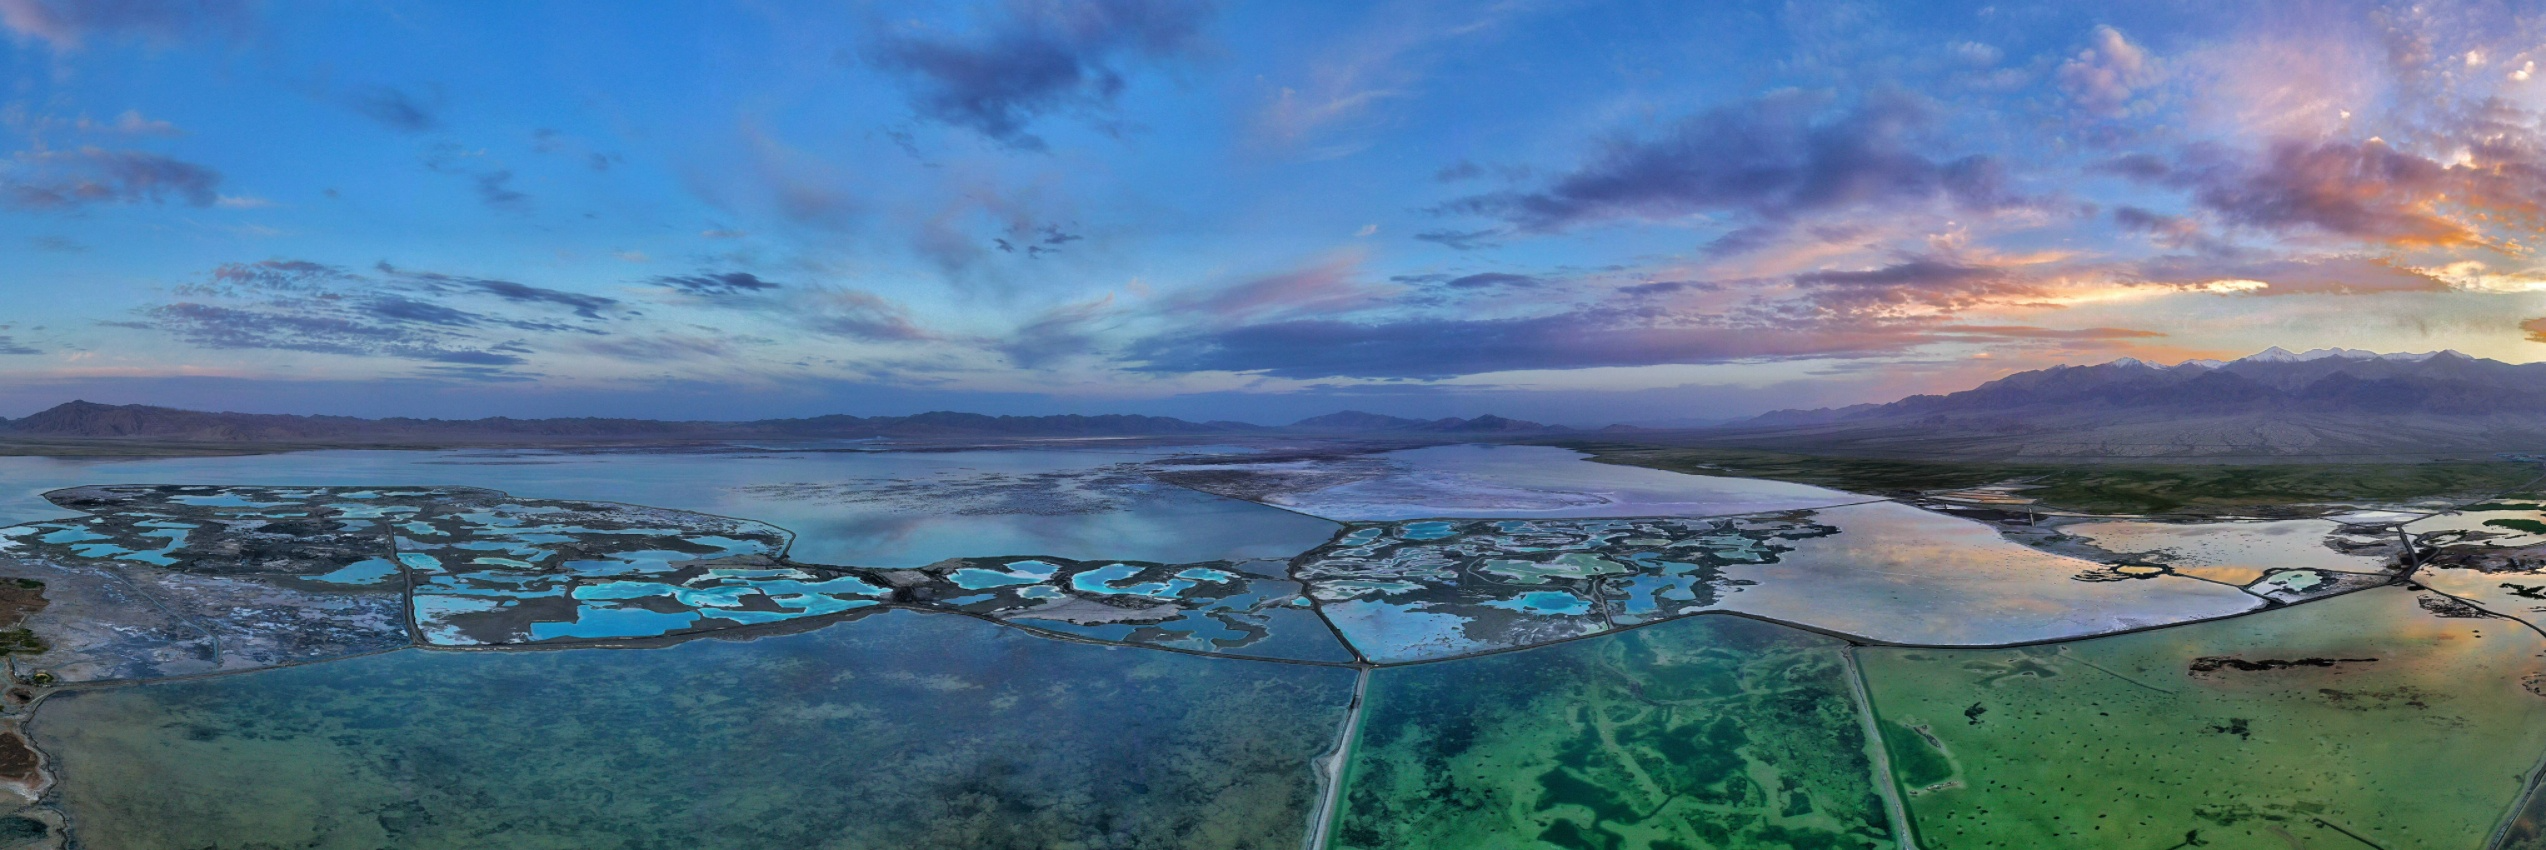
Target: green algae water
{"type": "Point", "coordinates": [896, 730]}
{"type": "Point", "coordinates": [2385, 718]}
{"type": "Point", "coordinates": [1712, 732]}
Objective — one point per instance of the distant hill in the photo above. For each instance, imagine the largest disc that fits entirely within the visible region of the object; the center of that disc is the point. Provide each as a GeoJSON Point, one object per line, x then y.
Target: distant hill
{"type": "Point", "coordinates": [1354, 421]}
{"type": "Point", "coordinates": [82, 420]}
{"type": "Point", "coordinates": [2277, 403]}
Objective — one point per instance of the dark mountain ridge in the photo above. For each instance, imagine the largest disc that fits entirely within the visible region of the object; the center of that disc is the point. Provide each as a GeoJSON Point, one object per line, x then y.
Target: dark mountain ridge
{"type": "Point", "coordinates": [2326, 402]}
{"type": "Point", "coordinates": [87, 420]}
{"type": "Point", "coordinates": [2446, 383]}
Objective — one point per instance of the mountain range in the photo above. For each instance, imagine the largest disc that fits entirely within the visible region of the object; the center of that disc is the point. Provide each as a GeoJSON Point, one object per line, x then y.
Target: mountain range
{"type": "Point", "coordinates": [2322, 404]}
{"type": "Point", "coordinates": [2327, 402]}
{"type": "Point", "coordinates": [82, 420]}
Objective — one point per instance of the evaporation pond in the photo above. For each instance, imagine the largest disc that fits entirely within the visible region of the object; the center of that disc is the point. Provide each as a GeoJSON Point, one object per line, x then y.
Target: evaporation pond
{"type": "Point", "coordinates": [873, 509]}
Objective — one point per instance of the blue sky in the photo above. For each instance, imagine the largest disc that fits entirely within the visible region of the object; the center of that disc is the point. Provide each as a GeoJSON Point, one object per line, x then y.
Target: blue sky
{"type": "Point", "coordinates": [1574, 211]}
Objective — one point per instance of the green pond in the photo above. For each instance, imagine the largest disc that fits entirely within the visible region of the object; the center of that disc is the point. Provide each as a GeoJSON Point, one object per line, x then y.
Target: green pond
{"type": "Point", "coordinates": [1712, 732]}
{"type": "Point", "coordinates": [2373, 719]}
{"type": "Point", "coordinates": [896, 730]}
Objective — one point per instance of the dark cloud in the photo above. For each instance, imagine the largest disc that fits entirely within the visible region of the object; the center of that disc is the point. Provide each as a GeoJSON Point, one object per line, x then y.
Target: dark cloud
{"type": "Point", "coordinates": [1457, 171]}
{"type": "Point", "coordinates": [1494, 280]}
{"type": "Point", "coordinates": [587, 306]}
{"type": "Point", "coordinates": [496, 189]}
{"type": "Point", "coordinates": [10, 345]}
{"type": "Point", "coordinates": [650, 349]}
{"type": "Point", "coordinates": [67, 23]}
{"type": "Point", "coordinates": [2137, 166]}
{"type": "Point", "coordinates": [1921, 284]}
{"type": "Point", "coordinates": [492, 183]}
{"type": "Point", "coordinates": [57, 244]}
{"type": "Point", "coordinates": [1666, 287]}
{"type": "Point", "coordinates": [1772, 160]}
{"type": "Point", "coordinates": [1037, 57]}
{"type": "Point", "coordinates": [274, 275]}
{"type": "Point", "coordinates": [68, 179]}
{"type": "Point", "coordinates": [716, 283]}
{"type": "Point", "coordinates": [480, 374]}
{"type": "Point", "coordinates": [2171, 231]}
{"type": "Point", "coordinates": [395, 109]}
{"type": "Point", "coordinates": [1464, 240]}
{"type": "Point", "coordinates": [1063, 332]}
{"type": "Point", "coordinates": [398, 308]}
{"type": "Point", "coordinates": [2368, 191]}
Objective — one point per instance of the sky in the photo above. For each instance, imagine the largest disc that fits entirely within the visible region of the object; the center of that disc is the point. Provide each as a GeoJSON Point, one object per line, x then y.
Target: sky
{"type": "Point", "coordinates": [1577, 212]}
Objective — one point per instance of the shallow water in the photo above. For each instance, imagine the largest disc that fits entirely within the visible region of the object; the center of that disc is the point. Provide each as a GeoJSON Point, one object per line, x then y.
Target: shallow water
{"type": "Point", "coordinates": [1545, 482]}
{"type": "Point", "coordinates": [1898, 574]}
{"type": "Point", "coordinates": [897, 730]}
{"type": "Point", "coordinates": [878, 509]}
{"type": "Point", "coordinates": [2233, 552]}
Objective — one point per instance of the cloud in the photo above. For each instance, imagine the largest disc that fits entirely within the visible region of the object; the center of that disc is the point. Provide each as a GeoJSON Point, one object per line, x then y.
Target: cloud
{"type": "Point", "coordinates": [2368, 191]}
{"type": "Point", "coordinates": [1035, 57]}
{"type": "Point", "coordinates": [1331, 286]}
{"type": "Point", "coordinates": [1494, 280]}
{"type": "Point", "coordinates": [2172, 231]}
{"type": "Point", "coordinates": [860, 315]}
{"type": "Point", "coordinates": [1062, 332]}
{"type": "Point", "coordinates": [495, 189]}
{"type": "Point", "coordinates": [2330, 275]}
{"type": "Point", "coordinates": [1464, 240]}
{"type": "Point", "coordinates": [10, 345]}
{"type": "Point", "coordinates": [2102, 79]}
{"type": "Point", "coordinates": [395, 109]}
{"type": "Point", "coordinates": [2536, 329]}
{"type": "Point", "coordinates": [493, 184]}
{"type": "Point", "coordinates": [311, 328]}
{"type": "Point", "coordinates": [1916, 286]}
{"type": "Point", "coordinates": [1768, 160]}
{"type": "Point", "coordinates": [67, 23]}
{"type": "Point", "coordinates": [69, 179]}
{"type": "Point", "coordinates": [426, 317]}
{"type": "Point", "coordinates": [586, 306]}
{"type": "Point", "coordinates": [1435, 348]}
{"type": "Point", "coordinates": [716, 283]}
{"type": "Point", "coordinates": [131, 123]}
{"type": "Point", "coordinates": [656, 348]}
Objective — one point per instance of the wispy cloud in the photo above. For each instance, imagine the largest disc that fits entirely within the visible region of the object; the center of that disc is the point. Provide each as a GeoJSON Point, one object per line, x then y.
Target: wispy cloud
{"type": "Point", "coordinates": [68, 179]}
{"type": "Point", "coordinates": [424, 317]}
{"type": "Point", "coordinates": [716, 283]}
{"type": "Point", "coordinates": [395, 109]}
{"type": "Point", "coordinates": [69, 23]}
